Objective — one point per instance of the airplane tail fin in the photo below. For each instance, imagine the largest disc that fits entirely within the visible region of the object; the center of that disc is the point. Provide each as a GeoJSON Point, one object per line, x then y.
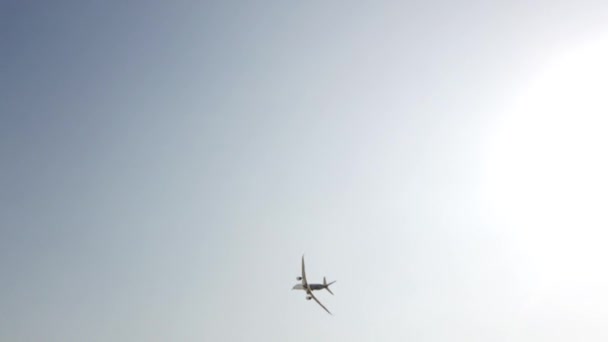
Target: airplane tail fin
{"type": "Point", "coordinates": [327, 285]}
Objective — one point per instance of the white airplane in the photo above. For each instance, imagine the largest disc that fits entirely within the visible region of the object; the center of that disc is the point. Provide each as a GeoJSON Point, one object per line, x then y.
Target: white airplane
{"type": "Point", "coordinates": [312, 287]}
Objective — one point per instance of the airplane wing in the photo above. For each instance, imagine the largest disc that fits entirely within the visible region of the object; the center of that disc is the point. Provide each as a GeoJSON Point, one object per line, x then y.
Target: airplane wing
{"type": "Point", "coordinates": [316, 300]}
{"type": "Point", "coordinates": [304, 282]}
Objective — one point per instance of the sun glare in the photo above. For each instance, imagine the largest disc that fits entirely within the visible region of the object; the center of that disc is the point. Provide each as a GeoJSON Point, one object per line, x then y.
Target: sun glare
{"type": "Point", "coordinates": [547, 170]}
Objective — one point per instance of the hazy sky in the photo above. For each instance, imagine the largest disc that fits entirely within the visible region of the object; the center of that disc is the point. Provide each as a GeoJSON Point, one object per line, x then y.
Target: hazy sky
{"type": "Point", "coordinates": [164, 165]}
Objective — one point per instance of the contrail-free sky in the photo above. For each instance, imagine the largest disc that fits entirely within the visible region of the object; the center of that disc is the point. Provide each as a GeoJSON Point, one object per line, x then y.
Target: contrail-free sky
{"type": "Point", "coordinates": [164, 165]}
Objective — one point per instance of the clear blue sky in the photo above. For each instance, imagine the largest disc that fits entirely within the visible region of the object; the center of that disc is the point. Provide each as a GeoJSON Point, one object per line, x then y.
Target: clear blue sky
{"type": "Point", "coordinates": [164, 165]}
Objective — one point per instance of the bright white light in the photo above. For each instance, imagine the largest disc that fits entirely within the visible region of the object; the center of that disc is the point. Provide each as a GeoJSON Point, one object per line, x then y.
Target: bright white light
{"type": "Point", "coordinates": [547, 173]}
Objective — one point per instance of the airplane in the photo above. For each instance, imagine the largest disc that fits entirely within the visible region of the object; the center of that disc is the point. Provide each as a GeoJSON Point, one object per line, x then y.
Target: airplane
{"type": "Point", "coordinates": [312, 287]}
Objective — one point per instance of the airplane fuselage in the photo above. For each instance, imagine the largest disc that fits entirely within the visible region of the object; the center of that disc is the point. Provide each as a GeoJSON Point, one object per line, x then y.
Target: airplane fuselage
{"type": "Point", "coordinates": [316, 286]}
{"type": "Point", "coordinates": [313, 287]}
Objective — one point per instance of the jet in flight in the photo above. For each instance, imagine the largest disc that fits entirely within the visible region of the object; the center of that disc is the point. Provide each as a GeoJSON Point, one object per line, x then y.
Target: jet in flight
{"type": "Point", "coordinates": [312, 287]}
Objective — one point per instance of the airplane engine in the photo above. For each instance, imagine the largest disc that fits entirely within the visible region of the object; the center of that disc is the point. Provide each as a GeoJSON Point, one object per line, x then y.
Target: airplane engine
{"type": "Point", "coordinates": [308, 297]}
{"type": "Point", "coordinates": [299, 278]}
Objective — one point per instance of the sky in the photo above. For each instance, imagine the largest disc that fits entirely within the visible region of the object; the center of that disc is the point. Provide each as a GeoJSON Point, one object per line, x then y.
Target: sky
{"type": "Point", "coordinates": [165, 165]}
